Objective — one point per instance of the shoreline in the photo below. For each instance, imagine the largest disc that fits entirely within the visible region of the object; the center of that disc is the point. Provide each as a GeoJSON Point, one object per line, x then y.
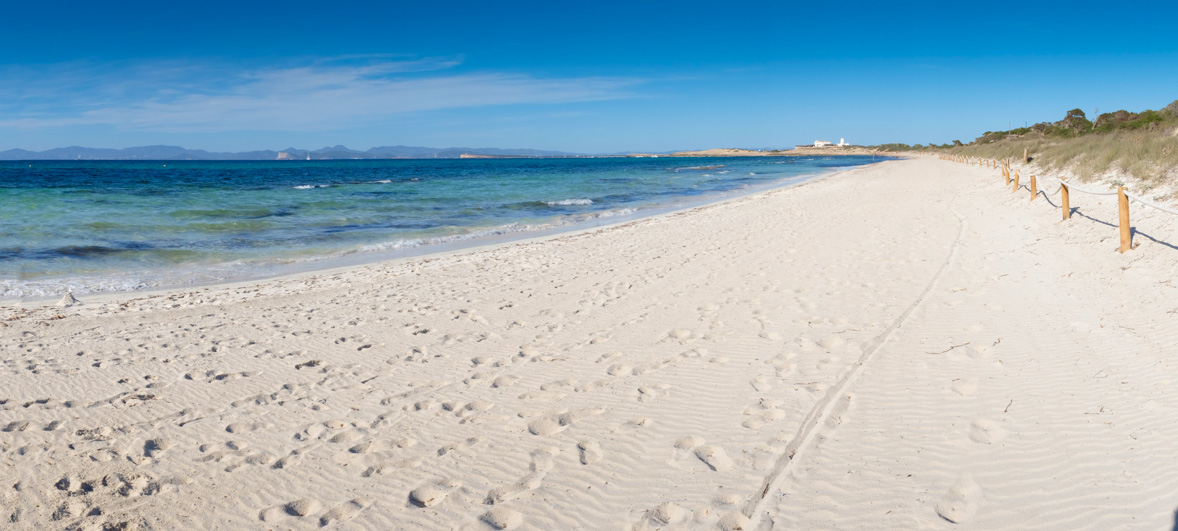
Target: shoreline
{"type": "Point", "coordinates": [359, 258]}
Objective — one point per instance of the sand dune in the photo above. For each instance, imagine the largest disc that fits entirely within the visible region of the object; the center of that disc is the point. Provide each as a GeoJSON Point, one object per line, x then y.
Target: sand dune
{"type": "Point", "coordinates": [906, 345]}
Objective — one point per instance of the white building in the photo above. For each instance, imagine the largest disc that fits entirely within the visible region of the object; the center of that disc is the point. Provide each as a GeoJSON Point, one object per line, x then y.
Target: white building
{"type": "Point", "coordinates": [843, 142]}
{"type": "Point", "coordinates": [823, 143]}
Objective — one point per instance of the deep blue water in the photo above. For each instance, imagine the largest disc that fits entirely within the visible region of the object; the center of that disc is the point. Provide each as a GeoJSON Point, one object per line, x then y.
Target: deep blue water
{"type": "Point", "coordinates": [94, 226]}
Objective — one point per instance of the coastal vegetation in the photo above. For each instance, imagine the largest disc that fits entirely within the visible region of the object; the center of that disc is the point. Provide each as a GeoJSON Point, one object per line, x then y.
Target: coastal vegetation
{"type": "Point", "coordinates": [1142, 144]}
{"type": "Point", "coordinates": [1121, 145]}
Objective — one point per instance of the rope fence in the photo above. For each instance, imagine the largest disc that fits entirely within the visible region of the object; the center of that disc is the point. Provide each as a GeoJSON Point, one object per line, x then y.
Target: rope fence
{"type": "Point", "coordinates": [1013, 178]}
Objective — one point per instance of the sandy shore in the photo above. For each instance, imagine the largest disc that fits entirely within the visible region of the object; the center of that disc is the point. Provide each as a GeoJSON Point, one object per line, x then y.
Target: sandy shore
{"type": "Point", "coordinates": [906, 345]}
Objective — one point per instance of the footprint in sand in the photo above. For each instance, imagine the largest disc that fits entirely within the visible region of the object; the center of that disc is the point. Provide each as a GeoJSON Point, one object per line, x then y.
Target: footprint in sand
{"type": "Point", "coordinates": [729, 499]}
{"type": "Point", "coordinates": [542, 462]}
{"type": "Point", "coordinates": [289, 461]}
{"type": "Point", "coordinates": [734, 521]}
{"type": "Point", "coordinates": [590, 451]}
{"type": "Point", "coordinates": [242, 427]}
{"type": "Point", "coordinates": [347, 436]}
{"type": "Point", "coordinates": [666, 513]}
{"type": "Point", "coordinates": [960, 502]}
{"type": "Point", "coordinates": [503, 518]}
{"type": "Point", "coordinates": [714, 457]}
{"type": "Point", "coordinates": [679, 334]}
{"type": "Point", "coordinates": [365, 447]}
{"type": "Point", "coordinates": [302, 507]}
{"type": "Point", "coordinates": [965, 387]}
{"type": "Point", "coordinates": [554, 385]}
{"type": "Point", "coordinates": [830, 343]}
{"type": "Point", "coordinates": [157, 446]}
{"type": "Point", "coordinates": [504, 381]}
{"type": "Point", "coordinates": [344, 512]}
{"type": "Point", "coordinates": [590, 386]}
{"type": "Point", "coordinates": [433, 493]}
{"type": "Point", "coordinates": [773, 414]}
{"type": "Point", "coordinates": [484, 360]}
{"type": "Point", "coordinates": [816, 387]}
{"type": "Point", "coordinates": [552, 424]}
{"type": "Point", "coordinates": [653, 391]}
{"type": "Point", "coordinates": [688, 442]}
{"type": "Point", "coordinates": [460, 445]}
{"type": "Point", "coordinates": [547, 425]}
{"type": "Point", "coordinates": [609, 356]}
{"type": "Point", "coordinates": [985, 431]}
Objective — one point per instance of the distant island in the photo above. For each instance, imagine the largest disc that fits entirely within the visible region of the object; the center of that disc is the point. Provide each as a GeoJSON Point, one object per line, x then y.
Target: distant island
{"type": "Point", "coordinates": [326, 153]}
{"type": "Point", "coordinates": [399, 152]}
{"type": "Point", "coordinates": [799, 151]}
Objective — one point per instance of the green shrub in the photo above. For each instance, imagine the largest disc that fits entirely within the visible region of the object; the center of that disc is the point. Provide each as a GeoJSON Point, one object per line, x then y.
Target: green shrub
{"type": "Point", "coordinates": [1144, 120]}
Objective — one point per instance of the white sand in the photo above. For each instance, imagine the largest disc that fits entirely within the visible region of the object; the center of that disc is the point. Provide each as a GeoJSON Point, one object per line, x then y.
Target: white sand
{"type": "Point", "coordinates": [926, 346]}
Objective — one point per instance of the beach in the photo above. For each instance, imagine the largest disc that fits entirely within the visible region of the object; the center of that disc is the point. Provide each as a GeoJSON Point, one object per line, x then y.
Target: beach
{"type": "Point", "coordinates": [897, 346]}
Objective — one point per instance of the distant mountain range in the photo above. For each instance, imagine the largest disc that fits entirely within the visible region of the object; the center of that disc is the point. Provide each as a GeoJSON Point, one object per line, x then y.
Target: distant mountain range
{"type": "Point", "coordinates": [333, 152]}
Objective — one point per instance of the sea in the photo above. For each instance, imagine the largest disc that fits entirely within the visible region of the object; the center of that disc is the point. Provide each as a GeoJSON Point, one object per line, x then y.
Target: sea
{"type": "Point", "coordinates": [116, 226]}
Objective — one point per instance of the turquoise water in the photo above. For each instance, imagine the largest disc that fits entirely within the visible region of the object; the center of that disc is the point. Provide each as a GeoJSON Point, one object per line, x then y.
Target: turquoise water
{"type": "Point", "coordinates": [92, 226]}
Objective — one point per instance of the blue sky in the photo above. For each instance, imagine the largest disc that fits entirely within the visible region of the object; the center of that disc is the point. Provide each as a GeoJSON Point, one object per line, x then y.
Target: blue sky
{"type": "Point", "coordinates": [586, 77]}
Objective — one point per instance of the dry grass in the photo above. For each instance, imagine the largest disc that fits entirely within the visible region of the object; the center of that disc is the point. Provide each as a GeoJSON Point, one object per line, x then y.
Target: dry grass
{"type": "Point", "coordinates": [1148, 157]}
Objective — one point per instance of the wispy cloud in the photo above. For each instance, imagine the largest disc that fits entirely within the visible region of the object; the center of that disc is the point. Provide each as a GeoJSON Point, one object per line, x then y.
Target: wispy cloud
{"type": "Point", "coordinates": [322, 94]}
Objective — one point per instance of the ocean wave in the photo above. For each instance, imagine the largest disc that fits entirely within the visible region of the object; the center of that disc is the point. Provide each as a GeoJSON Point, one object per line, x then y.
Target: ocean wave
{"type": "Point", "coordinates": [511, 228]}
{"type": "Point", "coordinates": [612, 213]}
{"type": "Point", "coordinates": [569, 202]}
{"type": "Point", "coordinates": [123, 281]}
{"type": "Point", "coordinates": [18, 288]}
{"type": "Point", "coordinates": [716, 167]}
{"type": "Point", "coordinates": [310, 186]}
{"type": "Point", "coordinates": [410, 243]}
{"type": "Point", "coordinates": [382, 181]}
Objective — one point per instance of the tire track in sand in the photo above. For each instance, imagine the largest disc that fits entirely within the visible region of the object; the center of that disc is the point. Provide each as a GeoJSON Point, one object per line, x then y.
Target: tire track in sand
{"type": "Point", "coordinates": [831, 407]}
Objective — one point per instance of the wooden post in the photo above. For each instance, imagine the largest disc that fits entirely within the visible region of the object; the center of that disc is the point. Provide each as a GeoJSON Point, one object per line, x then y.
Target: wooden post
{"type": "Point", "coordinates": [1007, 175]}
{"type": "Point", "coordinates": [1123, 207]}
{"type": "Point", "coordinates": [1025, 155]}
{"type": "Point", "coordinates": [1034, 188]}
{"type": "Point", "coordinates": [1015, 189]}
{"type": "Point", "coordinates": [1067, 200]}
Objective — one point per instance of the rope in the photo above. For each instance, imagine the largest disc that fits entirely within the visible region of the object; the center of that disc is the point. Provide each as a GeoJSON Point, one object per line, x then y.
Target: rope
{"type": "Point", "coordinates": [1151, 203]}
{"type": "Point", "coordinates": [1078, 189]}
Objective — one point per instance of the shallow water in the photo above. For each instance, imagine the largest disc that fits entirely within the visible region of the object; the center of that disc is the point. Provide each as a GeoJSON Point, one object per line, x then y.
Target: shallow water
{"type": "Point", "coordinates": [92, 226]}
